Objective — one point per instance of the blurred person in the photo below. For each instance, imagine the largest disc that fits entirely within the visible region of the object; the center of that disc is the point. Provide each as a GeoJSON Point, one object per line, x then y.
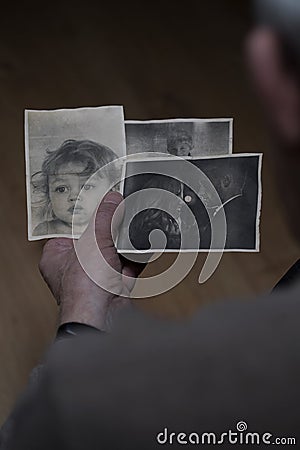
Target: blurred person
{"type": "Point", "coordinates": [150, 380]}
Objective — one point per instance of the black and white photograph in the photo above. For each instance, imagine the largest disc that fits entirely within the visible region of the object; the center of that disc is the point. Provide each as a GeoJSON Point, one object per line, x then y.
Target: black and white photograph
{"type": "Point", "coordinates": [63, 149]}
{"type": "Point", "coordinates": [237, 181]}
{"type": "Point", "coordinates": [180, 137]}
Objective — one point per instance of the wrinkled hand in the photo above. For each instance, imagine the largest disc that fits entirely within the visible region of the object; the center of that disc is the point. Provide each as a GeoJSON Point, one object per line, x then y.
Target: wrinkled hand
{"type": "Point", "coordinates": [80, 299]}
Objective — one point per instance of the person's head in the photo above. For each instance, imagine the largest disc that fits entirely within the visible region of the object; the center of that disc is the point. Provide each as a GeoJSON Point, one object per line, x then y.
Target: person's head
{"type": "Point", "coordinates": [65, 173]}
{"type": "Point", "coordinates": [273, 54]}
{"type": "Point", "coordinates": [180, 144]}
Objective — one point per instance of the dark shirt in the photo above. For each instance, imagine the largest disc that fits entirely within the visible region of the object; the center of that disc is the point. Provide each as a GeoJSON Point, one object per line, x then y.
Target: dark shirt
{"type": "Point", "coordinates": [233, 361]}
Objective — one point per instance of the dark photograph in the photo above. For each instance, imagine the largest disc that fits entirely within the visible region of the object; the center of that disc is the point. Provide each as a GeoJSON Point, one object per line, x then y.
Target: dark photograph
{"type": "Point", "coordinates": [237, 182]}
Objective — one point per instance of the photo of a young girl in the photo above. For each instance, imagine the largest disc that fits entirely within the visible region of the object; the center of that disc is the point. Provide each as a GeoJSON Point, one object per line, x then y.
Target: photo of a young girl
{"type": "Point", "coordinates": [73, 157]}
{"type": "Point", "coordinates": [60, 190]}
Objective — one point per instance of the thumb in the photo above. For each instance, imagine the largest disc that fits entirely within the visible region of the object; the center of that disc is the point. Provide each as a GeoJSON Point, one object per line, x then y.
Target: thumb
{"type": "Point", "coordinates": [106, 217]}
{"type": "Point", "coordinates": [56, 253]}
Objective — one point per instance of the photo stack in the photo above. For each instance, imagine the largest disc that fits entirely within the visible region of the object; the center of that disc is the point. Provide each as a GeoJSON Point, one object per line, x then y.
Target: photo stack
{"type": "Point", "coordinates": [181, 182]}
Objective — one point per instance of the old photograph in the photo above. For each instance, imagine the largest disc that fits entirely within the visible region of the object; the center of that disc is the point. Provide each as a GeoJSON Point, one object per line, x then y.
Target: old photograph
{"type": "Point", "coordinates": [63, 149]}
{"type": "Point", "coordinates": [237, 181]}
{"type": "Point", "coordinates": [180, 137]}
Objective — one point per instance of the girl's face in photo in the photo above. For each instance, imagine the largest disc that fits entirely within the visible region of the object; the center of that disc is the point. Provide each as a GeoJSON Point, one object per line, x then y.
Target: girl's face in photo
{"type": "Point", "coordinates": [68, 186]}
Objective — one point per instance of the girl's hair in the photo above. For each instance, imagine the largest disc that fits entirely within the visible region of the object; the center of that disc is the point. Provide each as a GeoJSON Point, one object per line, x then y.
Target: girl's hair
{"type": "Point", "coordinates": [175, 140]}
{"type": "Point", "coordinates": [90, 153]}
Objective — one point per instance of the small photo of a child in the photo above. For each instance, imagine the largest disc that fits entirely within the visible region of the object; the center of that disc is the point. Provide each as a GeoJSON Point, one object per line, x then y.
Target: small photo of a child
{"type": "Point", "coordinates": [64, 183]}
{"type": "Point", "coordinates": [180, 137]}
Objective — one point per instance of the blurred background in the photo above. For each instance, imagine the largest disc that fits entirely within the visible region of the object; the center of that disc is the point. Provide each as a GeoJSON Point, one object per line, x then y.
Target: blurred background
{"type": "Point", "coordinates": [160, 61]}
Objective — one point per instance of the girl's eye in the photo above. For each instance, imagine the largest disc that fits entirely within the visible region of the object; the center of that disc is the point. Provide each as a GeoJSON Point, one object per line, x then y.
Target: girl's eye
{"type": "Point", "coordinates": [87, 187]}
{"type": "Point", "coordinates": [61, 189]}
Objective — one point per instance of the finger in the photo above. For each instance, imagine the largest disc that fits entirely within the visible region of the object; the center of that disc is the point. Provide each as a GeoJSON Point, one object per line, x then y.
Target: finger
{"type": "Point", "coordinates": [129, 276]}
{"type": "Point", "coordinates": [53, 251]}
{"type": "Point", "coordinates": [58, 243]}
{"type": "Point", "coordinates": [55, 254]}
{"type": "Point", "coordinates": [104, 218]}
{"type": "Point", "coordinates": [132, 268]}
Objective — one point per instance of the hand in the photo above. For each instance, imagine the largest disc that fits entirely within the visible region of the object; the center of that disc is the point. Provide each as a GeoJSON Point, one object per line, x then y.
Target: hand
{"type": "Point", "coordinates": [80, 299]}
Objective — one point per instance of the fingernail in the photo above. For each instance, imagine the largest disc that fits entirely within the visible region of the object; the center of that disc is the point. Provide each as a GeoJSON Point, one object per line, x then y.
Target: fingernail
{"type": "Point", "coordinates": [113, 197]}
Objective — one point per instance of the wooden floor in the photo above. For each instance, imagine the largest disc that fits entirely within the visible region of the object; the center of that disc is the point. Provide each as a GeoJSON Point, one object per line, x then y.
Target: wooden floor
{"type": "Point", "coordinates": [162, 62]}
